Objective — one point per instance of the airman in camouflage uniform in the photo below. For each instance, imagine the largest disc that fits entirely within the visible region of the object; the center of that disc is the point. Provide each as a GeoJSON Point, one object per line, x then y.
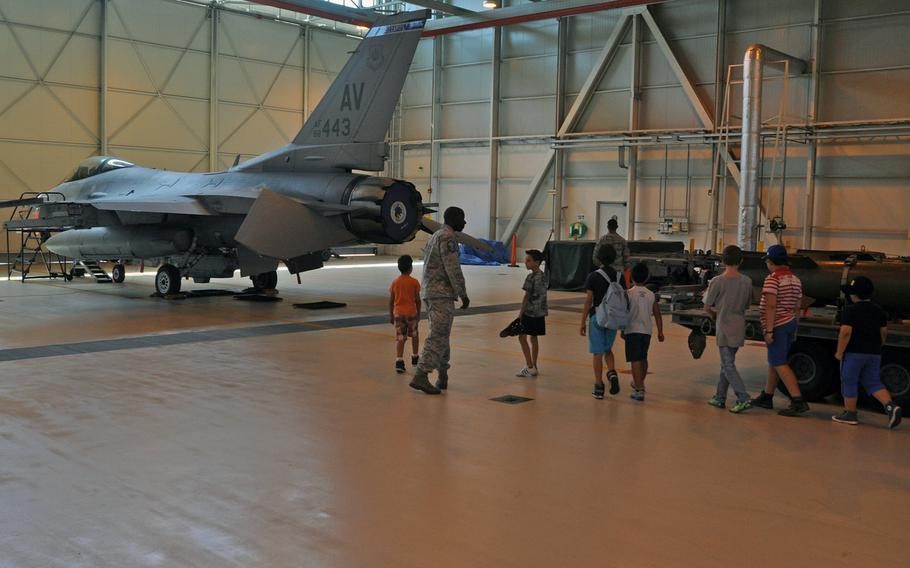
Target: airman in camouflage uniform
{"type": "Point", "coordinates": [443, 282]}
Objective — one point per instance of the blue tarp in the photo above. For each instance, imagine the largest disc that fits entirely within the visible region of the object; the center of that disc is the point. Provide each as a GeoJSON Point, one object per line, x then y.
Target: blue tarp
{"type": "Point", "coordinates": [471, 256]}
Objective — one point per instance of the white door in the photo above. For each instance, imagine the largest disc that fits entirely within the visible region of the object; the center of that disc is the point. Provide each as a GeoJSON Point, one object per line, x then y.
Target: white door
{"type": "Point", "coordinates": [607, 210]}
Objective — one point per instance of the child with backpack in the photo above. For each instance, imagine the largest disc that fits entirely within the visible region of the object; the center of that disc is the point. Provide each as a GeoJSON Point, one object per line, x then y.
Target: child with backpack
{"type": "Point", "coordinates": [642, 306]}
{"type": "Point", "coordinates": [606, 311]}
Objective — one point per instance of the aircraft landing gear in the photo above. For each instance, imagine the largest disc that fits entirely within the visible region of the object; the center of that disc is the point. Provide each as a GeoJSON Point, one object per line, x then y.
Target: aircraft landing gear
{"type": "Point", "coordinates": [167, 281]}
{"type": "Point", "coordinates": [265, 281]}
{"type": "Point", "coordinates": [118, 273]}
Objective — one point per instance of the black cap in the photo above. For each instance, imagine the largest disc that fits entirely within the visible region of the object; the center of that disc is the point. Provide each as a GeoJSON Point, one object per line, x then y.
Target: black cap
{"type": "Point", "coordinates": [860, 286]}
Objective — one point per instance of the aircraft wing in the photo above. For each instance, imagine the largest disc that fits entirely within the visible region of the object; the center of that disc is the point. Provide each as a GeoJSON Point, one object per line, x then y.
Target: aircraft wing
{"type": "Point", "coordinates": [280, 227]}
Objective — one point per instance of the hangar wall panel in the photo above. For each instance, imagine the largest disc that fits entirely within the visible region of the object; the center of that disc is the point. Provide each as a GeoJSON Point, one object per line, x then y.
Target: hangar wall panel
{"type": "Point", "coordinates": [158, 85]}
{"type": "Point", "coordinates": [864, 64]}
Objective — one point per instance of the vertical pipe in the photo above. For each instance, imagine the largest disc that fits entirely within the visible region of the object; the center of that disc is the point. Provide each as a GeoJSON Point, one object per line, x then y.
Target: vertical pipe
{"type": "Point", "coordinates": [811, 119]}
{"type": "Point", "coordinates": [213, 89]}
{"type": "Point", "coordinates": [102, 82]}
{"type": "Point", "coordinates": [634, 107]}
{"type": "Point", "coordinates": [495, 59]}
{"type": "Point", "coordinates": [559, 182]}
{"type": "Point", "coordinates": [751, 148]}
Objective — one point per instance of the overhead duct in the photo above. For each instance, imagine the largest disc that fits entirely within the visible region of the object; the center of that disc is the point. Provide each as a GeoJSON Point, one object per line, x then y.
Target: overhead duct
{"type": "Point", "coordinates": [756, 57]}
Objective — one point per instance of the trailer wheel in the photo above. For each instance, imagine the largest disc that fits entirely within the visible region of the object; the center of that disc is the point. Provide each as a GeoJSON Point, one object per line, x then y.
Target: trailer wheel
{"type": "Point", "coordinates": [815, 368]}
{"type": "Point", "coordinates": [118, 273]}
{"type": "Point", "coordinates": [896, 376]}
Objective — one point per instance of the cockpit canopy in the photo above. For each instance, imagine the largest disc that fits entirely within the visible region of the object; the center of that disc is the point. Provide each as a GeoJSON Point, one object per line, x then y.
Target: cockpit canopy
{"type": "Point", "coordinates": [98, 165]}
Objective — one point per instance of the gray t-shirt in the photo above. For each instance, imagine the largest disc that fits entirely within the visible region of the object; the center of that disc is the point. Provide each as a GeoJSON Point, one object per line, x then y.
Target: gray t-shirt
{"type": "Point", "coordinates": [536, 287]}
{"type": "Point", "coordinates": [730, 298]}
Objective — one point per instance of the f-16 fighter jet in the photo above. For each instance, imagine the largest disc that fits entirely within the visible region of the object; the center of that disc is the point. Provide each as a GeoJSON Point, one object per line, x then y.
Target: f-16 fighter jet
{"type": "Point", "coordinates": [288, 205]}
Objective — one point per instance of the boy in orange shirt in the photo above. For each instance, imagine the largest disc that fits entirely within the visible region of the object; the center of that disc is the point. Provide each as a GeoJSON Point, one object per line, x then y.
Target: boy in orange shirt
{"type": "Point", "coordinates": [404, 311]}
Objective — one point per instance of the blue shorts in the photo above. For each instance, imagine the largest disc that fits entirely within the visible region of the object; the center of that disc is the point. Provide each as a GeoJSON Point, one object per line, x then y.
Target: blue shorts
{"type": "Point", "coordinates": [859, 368]}
{"type": "Point", "coordinates": [779, 348]}
{"type": "Point", "coordinates": [600, 340]}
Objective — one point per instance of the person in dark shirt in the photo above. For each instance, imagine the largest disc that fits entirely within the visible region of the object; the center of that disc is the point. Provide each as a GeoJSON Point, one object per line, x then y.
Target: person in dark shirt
{"type": "Point", "coordinates": [864, 328]}
{"type": "Point", "coordinates": [600, 340]}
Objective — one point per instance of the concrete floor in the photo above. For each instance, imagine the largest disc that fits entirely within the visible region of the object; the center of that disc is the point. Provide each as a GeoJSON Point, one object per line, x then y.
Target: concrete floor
{"type": "Point", "coordinates": [305, 449]}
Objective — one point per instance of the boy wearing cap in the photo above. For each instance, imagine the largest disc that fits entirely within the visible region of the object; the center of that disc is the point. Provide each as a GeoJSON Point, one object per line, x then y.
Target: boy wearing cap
{"type": "Point", "coordinates": [781, 297]}
{"type": "Point", "coordinates": [863, 330]}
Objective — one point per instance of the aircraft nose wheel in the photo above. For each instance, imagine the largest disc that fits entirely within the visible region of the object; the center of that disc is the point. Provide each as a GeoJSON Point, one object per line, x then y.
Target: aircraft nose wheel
{"type": "Point", "coordinates": [118, 273]}
{"type": "Point", "coordinates": [167, 281]}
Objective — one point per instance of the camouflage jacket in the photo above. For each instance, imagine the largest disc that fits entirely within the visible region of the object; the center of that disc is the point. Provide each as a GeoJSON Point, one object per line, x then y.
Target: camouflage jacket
{"type": "Point", "coordinates": [442, 277]}
{"type": "Point", "coordinates": [619, 245]}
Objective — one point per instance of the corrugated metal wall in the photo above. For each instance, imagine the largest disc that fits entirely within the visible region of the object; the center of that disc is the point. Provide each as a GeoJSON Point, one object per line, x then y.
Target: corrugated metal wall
{"type": "Point", "coordinates": [862, 187]}
{"type": "Point", "coordinates": [159, 87]}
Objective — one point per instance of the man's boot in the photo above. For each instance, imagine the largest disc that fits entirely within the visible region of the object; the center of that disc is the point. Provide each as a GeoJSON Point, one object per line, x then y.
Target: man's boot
{"type": "Point", "coordinates": [422, 383]}
{"type": "Point", "coordinates": [442, 383]}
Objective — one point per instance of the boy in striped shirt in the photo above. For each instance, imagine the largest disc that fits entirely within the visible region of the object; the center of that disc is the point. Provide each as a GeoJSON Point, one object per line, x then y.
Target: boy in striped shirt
{"type": "Point", "coordinates": [781, 297]}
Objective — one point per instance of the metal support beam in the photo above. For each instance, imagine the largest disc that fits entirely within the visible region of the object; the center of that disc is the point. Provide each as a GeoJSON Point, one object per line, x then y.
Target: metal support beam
{"type": "Point", "coordinates": [440, 6]}
{"type": "Point", "coordinates": [571, 120]}
{"type": "Point", "coordinates": [688, 87]}
{"type": "Point", "coordinates": [495, 64]}
{"type": "Point", "coordinates": [720, 48]}
{"type": "Point", "coordinates": [435, 119]}
{"type": "Point", "coordinates": [634, 107]}
{"type": "Point", "coordinates": [559, 183]}
{"type": "Point", "coordinates": [523, 13]}
{"type": "Point", "coordinates": [102, 81]}
{"type": "Point", "coordinates": [307, 32]}
{"type": "Point", "coordinates": [213, 89]}
{"type": "Point", "coordinates": [325, 10]}
{"type": "Point", "coordinates": [812, 118]}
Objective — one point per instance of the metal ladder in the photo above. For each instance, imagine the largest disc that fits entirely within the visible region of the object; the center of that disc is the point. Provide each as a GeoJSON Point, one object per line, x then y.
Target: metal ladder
{"type": "Point", "coordinates": [724, 151]}
{"type": "Point", "coordinates": [96, 271]}
{"type": "Point", "coordinates": [31, 249]}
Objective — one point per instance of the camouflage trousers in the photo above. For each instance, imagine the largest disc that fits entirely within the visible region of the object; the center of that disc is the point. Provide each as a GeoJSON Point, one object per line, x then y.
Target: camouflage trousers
{"type": "Point", "coordinates": [436, 348]}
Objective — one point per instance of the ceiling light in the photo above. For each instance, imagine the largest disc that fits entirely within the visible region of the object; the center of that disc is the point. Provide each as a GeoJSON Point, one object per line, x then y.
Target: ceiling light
{"type": "Point", "coordinates": [491, 4]}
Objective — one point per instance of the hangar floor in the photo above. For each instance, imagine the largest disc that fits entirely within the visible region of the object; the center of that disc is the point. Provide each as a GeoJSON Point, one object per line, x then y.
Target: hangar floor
{"type": "Point", "coordinates": [211, 432]}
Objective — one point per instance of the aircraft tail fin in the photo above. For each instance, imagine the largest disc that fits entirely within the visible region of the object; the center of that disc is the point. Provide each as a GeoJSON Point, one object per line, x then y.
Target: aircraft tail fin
{"type": "Point", "coordinates": [359, 104]}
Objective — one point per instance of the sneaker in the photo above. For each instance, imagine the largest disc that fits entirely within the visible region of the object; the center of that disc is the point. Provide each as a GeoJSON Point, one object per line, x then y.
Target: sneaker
{"type": "Point", "coordinates": [525, 372]}
{"type": "Point", "coordinates": [422, 383]}
{"type": "Point", "coordinates": [796, 408]}
{"type": "Point", "coordinates": [894, 413]}
{"type": "Point", "coordinates": [598, 392]}
{"type": "Point", "coordinates": [717, 403]}
{"type": "Point", "coordinates": [399, 366]}
{"type": "Point", "coordinates": [637, 395]}
{"type": "Point", "coordinates": [632, 386]}
{"type": "Point", "coordinates": [533, 370]}
{"type": "Point", "coordinates": [614, 382]}
{"type": "Point", "coordinates": [764, 400]}
{"type": "Point", "coordinates": [741, 406]}
{"type": "Point", "coordinates": [414, 360]}
{"type": "Point", "coordinates": [846, 417]}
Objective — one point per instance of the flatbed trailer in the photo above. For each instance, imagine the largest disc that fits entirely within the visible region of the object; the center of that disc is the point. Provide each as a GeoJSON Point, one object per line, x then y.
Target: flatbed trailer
{"type": "Point", "coordinates": [812, 354]}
